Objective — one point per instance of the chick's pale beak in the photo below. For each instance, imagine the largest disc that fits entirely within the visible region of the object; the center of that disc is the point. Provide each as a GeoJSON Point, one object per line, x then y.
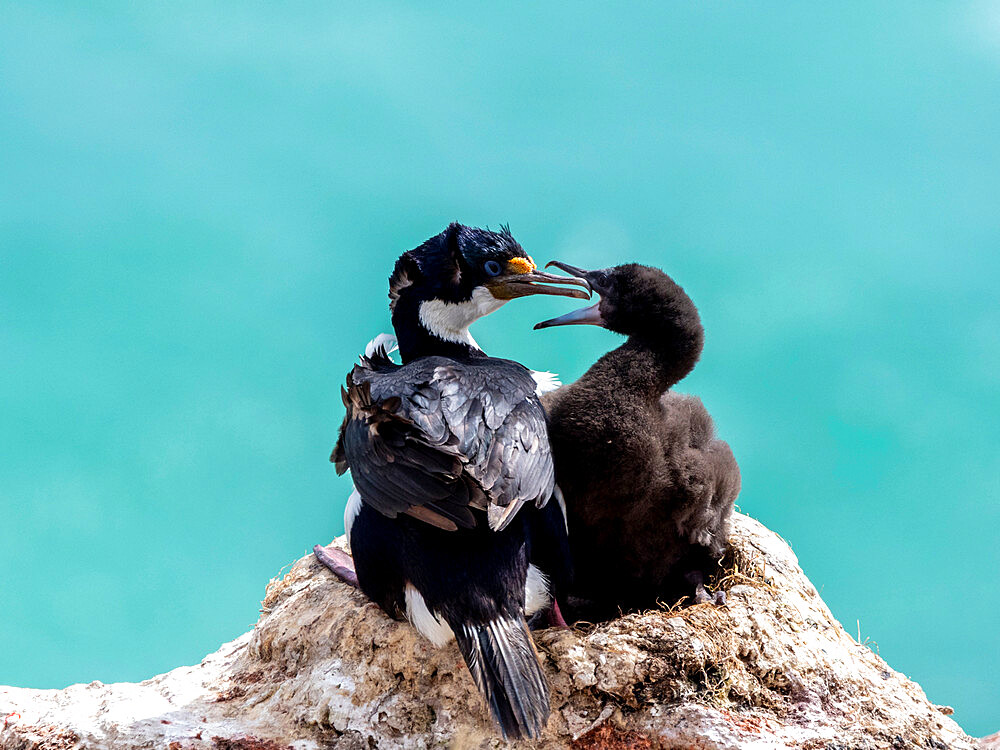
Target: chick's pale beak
{"type": "Point", "coordinates": [515, 285]}
{"type": "Point", "coordinates": [584, 316]}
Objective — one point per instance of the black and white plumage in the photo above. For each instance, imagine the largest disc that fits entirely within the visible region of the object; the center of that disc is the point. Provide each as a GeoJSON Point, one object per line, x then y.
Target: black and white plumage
{"type": "Point", "coordinates": [550, 568]}
{"type": "Point", "coordinates": [439, 438]}
{"type": "Point", "coordinates": [649, 488]}
{"type": "Point", "coordinates": [452, 467]}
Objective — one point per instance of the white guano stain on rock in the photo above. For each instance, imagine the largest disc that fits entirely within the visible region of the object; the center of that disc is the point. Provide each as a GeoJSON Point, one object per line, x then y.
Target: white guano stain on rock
{"type": "Point", "coordinates": [325, 668]}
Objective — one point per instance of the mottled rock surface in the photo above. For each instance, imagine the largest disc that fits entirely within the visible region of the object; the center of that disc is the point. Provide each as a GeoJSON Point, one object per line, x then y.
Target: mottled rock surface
{"type": "Point", "coordinates": [325, 668]}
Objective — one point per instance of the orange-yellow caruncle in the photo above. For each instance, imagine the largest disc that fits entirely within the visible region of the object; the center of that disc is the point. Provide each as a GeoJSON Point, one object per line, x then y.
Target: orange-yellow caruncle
{"type": "Point", "coordinates": [521, 265]}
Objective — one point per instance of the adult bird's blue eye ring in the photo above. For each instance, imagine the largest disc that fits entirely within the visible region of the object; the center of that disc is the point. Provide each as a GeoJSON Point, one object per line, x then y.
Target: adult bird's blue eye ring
{"type": "Point", "coordinates": [492, 268]}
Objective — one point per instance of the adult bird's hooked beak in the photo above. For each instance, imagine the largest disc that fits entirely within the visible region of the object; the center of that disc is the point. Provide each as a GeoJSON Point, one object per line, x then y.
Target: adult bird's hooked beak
{"type": "Point", "coordinates": [585, 315]}
{"type": "Point", "coordinates": [522, 278]}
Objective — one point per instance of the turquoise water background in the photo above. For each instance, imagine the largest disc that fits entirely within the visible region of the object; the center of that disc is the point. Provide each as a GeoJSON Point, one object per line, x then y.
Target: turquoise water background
{"type": "Point", "coordinates": [199, 208]}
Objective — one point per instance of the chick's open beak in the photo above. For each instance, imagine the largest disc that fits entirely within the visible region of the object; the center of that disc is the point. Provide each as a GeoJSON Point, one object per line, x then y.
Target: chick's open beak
{"type": "Point", "coordinates": [578, 272]}
{"type": "Point", "coordinates": [584, 316]}
{"type": "Point", "coordinates": [512, 285]}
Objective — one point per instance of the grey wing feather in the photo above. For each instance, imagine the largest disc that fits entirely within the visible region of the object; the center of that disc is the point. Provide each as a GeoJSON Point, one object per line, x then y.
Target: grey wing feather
{"type": "Point", "coordinates": [437, 437]}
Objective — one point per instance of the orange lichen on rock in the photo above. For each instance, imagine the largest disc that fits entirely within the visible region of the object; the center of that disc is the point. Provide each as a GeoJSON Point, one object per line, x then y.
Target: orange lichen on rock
{"type": "Point", "coordinates": [610, 737]}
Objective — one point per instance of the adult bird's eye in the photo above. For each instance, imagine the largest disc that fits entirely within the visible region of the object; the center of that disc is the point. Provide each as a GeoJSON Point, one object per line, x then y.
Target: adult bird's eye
{"type": "Point", "coordinates": [492, 268]}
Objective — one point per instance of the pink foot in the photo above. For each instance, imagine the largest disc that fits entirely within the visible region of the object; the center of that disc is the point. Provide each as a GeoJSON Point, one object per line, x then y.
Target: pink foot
{"type": "Point", "coordinates": [701, 596]}
{"type": "Point", "coordinates": [555, 616]}
{"type": "Point", "coordinates": [339, 562]}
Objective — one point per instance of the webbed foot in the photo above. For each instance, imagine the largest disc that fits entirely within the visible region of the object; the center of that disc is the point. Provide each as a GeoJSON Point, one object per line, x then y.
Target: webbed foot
{"type": "Point", "coordinates": [339, 562]}
{"type": "Point", "coordinates": [556, 619]}
{"type": "Point", "coordinates": [701, 595]}
{"type": "Point", "coordinates": [551, 617]}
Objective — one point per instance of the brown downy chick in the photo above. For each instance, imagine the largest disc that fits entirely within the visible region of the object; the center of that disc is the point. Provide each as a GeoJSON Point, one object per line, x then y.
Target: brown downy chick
{"type": "Point", "coordinates": [649, 490]}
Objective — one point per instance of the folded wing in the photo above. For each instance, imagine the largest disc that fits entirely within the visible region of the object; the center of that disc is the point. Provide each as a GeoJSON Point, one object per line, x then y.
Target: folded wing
{"type": "Point", "coordinates": [437, 438]}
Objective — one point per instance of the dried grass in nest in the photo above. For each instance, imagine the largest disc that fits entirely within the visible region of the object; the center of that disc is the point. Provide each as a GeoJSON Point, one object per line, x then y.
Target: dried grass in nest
{"type": "Point", "coordinates": [742, 566]}
{"type": "Point", "coordinates": [738, 567]}
{"type": "Point", "coordinates": [272, 591]}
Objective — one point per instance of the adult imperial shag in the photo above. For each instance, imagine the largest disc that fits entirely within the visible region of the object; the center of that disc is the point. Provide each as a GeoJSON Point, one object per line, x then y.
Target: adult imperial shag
{"type": "Point", "coordinates": [444, 450]}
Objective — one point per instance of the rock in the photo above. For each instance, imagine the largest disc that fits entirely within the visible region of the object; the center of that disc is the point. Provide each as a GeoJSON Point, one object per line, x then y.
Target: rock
{"type": "Point", "coordinates": [325, 668]}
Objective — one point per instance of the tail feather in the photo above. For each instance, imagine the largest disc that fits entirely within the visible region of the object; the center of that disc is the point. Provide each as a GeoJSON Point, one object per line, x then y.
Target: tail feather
{"type": "Point", "coordinates": [503, 662]}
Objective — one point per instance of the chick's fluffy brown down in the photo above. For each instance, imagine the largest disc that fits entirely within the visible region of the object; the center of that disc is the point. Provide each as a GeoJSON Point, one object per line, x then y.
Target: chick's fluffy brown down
{"type": "Point", "coordinates": [649, 489]}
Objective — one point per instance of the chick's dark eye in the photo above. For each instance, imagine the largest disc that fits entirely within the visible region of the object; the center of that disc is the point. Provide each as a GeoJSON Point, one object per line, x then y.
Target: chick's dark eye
{"type": "Point", "coordinates": [600, 281]}
{"type": "Point", "coordinates": [492, 268]}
